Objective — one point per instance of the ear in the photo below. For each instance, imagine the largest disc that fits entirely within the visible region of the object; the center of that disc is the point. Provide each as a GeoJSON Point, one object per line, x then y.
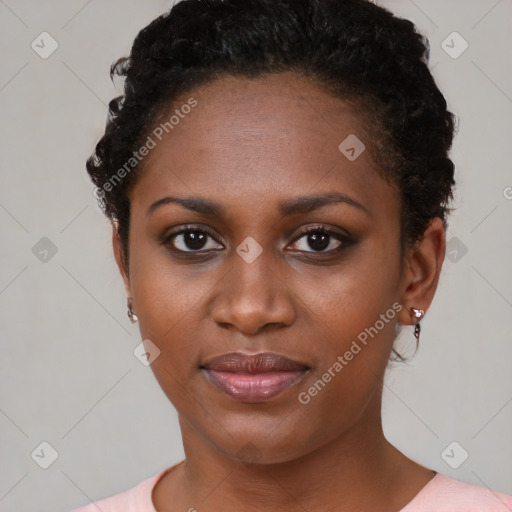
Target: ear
{"type": "Point", "coordinates": [421, 273]}
{"type": "Point", "coordinates": [118, 254]}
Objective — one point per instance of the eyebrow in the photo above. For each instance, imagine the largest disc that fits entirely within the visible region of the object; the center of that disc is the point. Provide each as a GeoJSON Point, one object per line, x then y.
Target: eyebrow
{"type": "Point", "coordinates": [306, 204]}
{"type": "Point", "coordinates": [298, 205]}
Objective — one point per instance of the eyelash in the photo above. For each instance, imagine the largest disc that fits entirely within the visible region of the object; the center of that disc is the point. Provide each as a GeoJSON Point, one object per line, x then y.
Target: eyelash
{"type": "Point", "coordinates": [343, 239]}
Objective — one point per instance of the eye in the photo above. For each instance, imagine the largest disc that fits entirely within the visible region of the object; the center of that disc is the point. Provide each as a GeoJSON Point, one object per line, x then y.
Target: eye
{"type": "Point", "coordinates": [319, 239]}
{"type": "Point", "coordinates": [190, 239]}
{"type": "Point", "coordinates": [314, 239]}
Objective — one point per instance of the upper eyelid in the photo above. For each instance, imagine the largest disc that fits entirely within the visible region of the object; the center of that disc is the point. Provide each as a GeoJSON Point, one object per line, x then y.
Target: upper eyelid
{"type": "Point", "coordinates": [320, 227]}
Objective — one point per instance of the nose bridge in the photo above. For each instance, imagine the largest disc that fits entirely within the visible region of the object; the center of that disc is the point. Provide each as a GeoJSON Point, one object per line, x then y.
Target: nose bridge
{"type": "Point", "coordinates": [252, 268]}
{"type": "Point", "coordinates": [252, 295]}
{"type": "Point", "coordinates": [253, 281]}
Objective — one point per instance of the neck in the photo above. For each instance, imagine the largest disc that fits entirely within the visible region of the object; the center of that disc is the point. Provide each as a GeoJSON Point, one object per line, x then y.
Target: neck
{"type": "Point", "coordinates": [358, 469]}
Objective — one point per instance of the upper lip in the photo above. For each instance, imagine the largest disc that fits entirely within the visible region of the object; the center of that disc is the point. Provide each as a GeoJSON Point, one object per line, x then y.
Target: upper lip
{"type": "Point", "coordinates": [262, 362]}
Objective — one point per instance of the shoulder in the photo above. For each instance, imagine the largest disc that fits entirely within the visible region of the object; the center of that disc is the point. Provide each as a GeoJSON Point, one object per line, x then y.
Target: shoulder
{"type": "Point", "coordinates": [136, 499]}
{"type": "Point", "coordinates": [445, 494]}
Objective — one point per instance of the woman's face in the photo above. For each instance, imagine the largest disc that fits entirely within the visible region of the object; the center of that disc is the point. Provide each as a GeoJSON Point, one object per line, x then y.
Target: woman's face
{"type": "Point", "coordinates": [259, 158]}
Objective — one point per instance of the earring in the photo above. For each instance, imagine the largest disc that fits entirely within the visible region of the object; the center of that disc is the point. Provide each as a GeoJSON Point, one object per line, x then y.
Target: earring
{"type": "Point", "coordinates": [418, 313]}
{"type": "Point", "coordinates": [131, 315]}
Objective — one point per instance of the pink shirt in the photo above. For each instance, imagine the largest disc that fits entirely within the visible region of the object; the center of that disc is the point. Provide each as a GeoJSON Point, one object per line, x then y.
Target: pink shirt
{"type": "Point", "coordinates": [441, 494]}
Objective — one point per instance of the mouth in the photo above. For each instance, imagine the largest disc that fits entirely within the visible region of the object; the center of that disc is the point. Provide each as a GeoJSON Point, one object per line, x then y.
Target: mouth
{"type": "Point", "coordinates": [253, 378]}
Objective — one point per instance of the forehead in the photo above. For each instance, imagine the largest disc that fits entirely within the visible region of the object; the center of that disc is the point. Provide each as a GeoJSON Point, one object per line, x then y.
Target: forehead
{"type": "Point", "coordinates": [261, 139]}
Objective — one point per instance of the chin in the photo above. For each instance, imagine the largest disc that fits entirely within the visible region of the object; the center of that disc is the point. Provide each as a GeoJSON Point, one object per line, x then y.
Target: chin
{"type": "Point", "coordinates": [264, 442]}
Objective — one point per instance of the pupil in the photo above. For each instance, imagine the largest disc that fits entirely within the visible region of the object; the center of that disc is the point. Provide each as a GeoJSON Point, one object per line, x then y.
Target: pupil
{"type": "Point", "coordinates": [194, 239]}
{"type": "Point", "coordinates": [318, 241]}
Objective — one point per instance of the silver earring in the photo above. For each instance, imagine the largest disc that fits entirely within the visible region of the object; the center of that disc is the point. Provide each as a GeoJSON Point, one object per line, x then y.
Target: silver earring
{"type": "Point", "coordinates": [131, 315]}
{"type": "Point", "coordinates": [419, 314]}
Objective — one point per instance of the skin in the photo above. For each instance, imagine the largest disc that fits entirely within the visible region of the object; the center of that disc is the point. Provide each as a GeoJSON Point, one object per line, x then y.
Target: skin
{"type": "Point", "coordinates": [249, 145]}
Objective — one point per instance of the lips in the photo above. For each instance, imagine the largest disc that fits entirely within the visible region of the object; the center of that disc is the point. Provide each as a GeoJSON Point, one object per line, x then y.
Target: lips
{"type": "Point", "coordinates": [253, 378]}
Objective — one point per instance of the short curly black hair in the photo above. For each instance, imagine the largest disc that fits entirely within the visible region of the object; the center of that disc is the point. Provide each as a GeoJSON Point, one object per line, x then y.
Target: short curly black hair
{"type": "Point", "coordinates": [358, 51]}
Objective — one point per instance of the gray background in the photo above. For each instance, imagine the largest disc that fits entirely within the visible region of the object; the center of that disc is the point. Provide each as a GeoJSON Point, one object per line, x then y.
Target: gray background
{"type": "Point", "coordinates": [68, 373]}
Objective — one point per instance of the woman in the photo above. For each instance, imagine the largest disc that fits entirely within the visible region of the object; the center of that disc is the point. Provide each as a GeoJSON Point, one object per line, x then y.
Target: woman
{"type": "Point", "coordinates": [277, 177]}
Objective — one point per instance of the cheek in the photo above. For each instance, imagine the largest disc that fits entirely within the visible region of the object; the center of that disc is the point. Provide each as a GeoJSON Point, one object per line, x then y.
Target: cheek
{"type": "Point", "coordinates": [350, 325]}
{"type": "Point", "coordinates": [170, 308]}
{"type": "Point", "coordinates": [165, 294]}
{"type": "Point", "coordinates": [352, 345]}
{"type": "Point", "coordinates": [343, 301]}
{"type": "Point", "coordinates": [349, 319]}
{"type": "Point", "coordinates": [165, 305]}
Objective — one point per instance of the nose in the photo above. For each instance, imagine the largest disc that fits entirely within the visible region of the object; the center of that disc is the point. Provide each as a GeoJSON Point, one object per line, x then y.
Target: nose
{"type": "Point", "coordinates": [253, 296]}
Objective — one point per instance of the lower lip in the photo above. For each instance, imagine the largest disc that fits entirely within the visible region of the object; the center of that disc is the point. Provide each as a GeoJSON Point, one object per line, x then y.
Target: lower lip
{"type": "Point", "coordinates": [256, 387]}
